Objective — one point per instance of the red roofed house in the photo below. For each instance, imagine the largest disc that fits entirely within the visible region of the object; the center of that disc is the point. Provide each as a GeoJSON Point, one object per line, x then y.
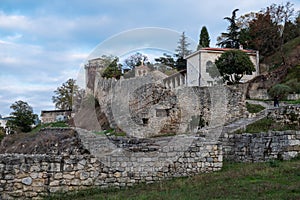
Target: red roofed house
{"type": "Point", "coordinates": [199, 62]}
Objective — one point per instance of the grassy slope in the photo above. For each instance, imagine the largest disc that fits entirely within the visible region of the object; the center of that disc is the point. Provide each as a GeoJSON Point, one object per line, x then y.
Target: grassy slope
{"type": "Point", "coordinates": [290, 50]}
{"type": "Point", "coordinates": [272, 180]}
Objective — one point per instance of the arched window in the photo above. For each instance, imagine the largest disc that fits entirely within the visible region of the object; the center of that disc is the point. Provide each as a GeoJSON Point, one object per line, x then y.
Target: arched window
{"type": "Point", "coordinates": [209, 64]}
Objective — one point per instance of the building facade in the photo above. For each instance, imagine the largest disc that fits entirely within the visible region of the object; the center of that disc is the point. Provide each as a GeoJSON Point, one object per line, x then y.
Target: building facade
{"type": "Point", "coordinates": [200, 61]}
{"type": "Point", "coordinates": [49, 116]}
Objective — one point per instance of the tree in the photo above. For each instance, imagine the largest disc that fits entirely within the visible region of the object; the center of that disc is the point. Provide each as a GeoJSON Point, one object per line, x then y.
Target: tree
{"type": "Point", "coordinates": [279, 90]}
{"type": "Point", "coordinates": [22, 117]}
{"type": "Point", "coordinates": [233, 64]}
{"type": "Point", "coordinates": [204, 38]}
{"type": "Point", "coordinates": [113, 70]}
{"type": "Point", "coordinates": [65, 94]}
{"type": "Point", "coordinates": [231, 38]}
{"type": "Point", "coordinates": [135, 60]}
{"type": "Point", "coordinates": [264, 34]}
{"type": "Point", "coordinates": [182, 48]}
{"type": "Point", "coordinates": [166, 59]}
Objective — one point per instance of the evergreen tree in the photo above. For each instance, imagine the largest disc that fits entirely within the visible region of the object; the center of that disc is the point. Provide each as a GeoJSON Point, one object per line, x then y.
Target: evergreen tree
{"type": "Point", "coordinates": [204, 39]}
{"type": "Point", "coordinates": [182, 48]}
{"type": "Point", "coordinates": [231, 38]}
{"type": "Point", "coordinates": [113, 70]}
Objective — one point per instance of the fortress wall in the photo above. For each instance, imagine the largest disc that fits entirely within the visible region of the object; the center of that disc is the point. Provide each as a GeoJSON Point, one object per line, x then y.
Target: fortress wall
{"type": "Point", "coordinates": [114, 163]}
{"type": "Point", "coordinates": [126, 102]}
{"type": "Point", "coordinates": [261, 146]}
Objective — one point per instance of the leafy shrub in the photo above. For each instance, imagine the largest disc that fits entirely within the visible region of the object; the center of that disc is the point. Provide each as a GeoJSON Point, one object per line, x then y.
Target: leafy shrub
{"type": "Point", "coordinates": [294, 84]}
{"type": "Point", "coordinates": [280, 90]}
{"type": "Point", "coordinates": [254, 108]}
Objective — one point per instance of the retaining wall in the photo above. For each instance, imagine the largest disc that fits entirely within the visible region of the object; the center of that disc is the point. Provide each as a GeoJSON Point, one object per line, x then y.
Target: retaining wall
{"type": "Point", "coordinates": [262, 146]}
{"type": "Point", "coordinates": [119, 163]}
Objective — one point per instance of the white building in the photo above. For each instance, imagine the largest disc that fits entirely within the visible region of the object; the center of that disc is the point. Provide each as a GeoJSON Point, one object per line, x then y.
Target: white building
{"type": "Point", "coordinates": [3, 122]}
{"type": "Point", "coordinates": [199, 62]}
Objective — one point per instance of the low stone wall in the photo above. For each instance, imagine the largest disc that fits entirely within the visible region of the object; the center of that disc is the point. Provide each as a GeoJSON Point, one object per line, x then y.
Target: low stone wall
{"type": "Point", "coordinates": [117, 163]}
{"type": "Point", "coordinates": [293, 97]}
{"type": "Point", "coordinates": [261, 94]}
{"type": "Point", "coordinates": [286, 114]}
{"type": "Point", "coordinates": [262, 146]}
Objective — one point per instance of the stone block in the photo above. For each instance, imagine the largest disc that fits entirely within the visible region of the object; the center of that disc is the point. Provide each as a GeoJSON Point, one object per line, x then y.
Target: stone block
{"type": "Point", "coordinates": [27, 181]}
{"type": "Point", "coordinates": [84, 175]}
{"type": "Point", "coordinates": [54, 183]}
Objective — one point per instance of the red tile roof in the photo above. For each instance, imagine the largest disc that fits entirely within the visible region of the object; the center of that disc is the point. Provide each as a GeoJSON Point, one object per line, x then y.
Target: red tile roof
{"type": "Point", "coordinates": [227, 49]}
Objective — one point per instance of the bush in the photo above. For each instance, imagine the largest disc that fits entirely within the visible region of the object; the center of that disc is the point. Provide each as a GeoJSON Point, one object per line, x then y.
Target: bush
{"type": "Point", "coordinates": [280, 90]}
{"type": "Point", "coordinates": [294, 84]}
{"type": "Point", "coordinates": [254, 108]}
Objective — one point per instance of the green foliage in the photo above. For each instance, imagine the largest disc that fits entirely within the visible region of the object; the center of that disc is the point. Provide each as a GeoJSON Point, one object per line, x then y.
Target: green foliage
{"type": "Point", "coordinates": [111, 132]}
{"type": "Point", "coordinates": [22, 117]}
{"type": "Point", "coordinates": [251, 181]}
{"type": "Point", "coordinates": [231, 38]}
{"type": "Point", "coordinates": [254, 108]}
{"type": "Point", "coordinates": [204, 38]}
{"type": "Point", "coordinates": [233, 64]}
{"type": "Point", "coordinates": [294, 84]}
{"type": "Point", "coordinates": [49, 125]}
{"type": "Point", "coordinates": [113, 70]}
{"type": "Point", "coordinates": [66, 94]}
{"type": "Point", "coordinates": [279, 90]}
{"type": "Point", "coordinates": [135, 60]}
{"type": "Point", "coordinates": [166, 60]}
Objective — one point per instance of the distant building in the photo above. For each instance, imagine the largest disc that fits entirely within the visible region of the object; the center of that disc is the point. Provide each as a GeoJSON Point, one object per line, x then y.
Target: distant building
{"type": "Point", "coordinates": [49, 116]}
{"type": "Point", "coordinates": [141, 70]}
{"type": "Point", "coordinates": [3, 124]}
{"type": "Point", "coordinates": [199, 62]}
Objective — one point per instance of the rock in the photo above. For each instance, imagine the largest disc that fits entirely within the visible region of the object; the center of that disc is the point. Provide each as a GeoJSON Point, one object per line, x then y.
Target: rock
{"type": "Point", "coordinates": [27, 181]}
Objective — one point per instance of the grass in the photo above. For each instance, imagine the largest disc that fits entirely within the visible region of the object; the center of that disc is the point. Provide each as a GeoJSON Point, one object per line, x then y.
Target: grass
{"type": "Point", "coordinates": [266, 124]}
{"type": "Point", "coordinates": [292, 101]}
{"type": "Point", "coordinates": [46, 125]}
{"type": "Point", "coordinates": [111, 132]}
{"type": "Point", "coordinates": [270, 180]}
{"type": "Point", "coordinates": [254, 108]}
{"type": "Point", "coordinates": [288, 50]}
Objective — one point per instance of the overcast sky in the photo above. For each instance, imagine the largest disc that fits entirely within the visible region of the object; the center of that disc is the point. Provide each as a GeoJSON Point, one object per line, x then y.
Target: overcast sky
{"type": "Point", "coordinates": [43, 43]}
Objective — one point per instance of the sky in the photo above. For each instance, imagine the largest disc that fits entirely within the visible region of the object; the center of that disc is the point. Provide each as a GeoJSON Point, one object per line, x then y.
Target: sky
{"type": "Point", "coordinates": [43, 43]}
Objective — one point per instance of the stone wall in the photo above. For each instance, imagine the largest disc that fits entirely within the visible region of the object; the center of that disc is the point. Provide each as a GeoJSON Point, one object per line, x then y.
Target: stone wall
{"type": "Point", "coordinates": [112, 162]}
{"type": "Point", "coordinates": [261, 94]}
{"type": "Point", "coordinates": [142, 105]}
{"type": "Point", "coordinates": [262, 146]}
{"type": "Point", "coordinates": [293, 97]}
{"type": "Point", "coordinates": [286, 114]}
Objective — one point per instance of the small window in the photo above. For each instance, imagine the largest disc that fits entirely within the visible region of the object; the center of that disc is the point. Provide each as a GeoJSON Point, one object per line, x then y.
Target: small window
{"type": "Point", "coordinates": [210, 83]}
{"type": "Point", "coordinates": [145, 121]}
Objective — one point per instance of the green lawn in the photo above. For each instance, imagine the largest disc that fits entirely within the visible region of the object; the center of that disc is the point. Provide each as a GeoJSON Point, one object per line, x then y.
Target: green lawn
{"type": "Point", "coordinates": [271, 180]}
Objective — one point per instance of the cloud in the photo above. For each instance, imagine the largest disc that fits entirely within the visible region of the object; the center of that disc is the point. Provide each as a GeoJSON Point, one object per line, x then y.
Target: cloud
{"type": "Point", "coordinates": [43, 43]}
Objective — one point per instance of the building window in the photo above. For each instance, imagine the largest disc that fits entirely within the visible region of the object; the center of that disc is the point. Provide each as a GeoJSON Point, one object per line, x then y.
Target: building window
{"type": "Point", "coordinates": [209, 64]}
